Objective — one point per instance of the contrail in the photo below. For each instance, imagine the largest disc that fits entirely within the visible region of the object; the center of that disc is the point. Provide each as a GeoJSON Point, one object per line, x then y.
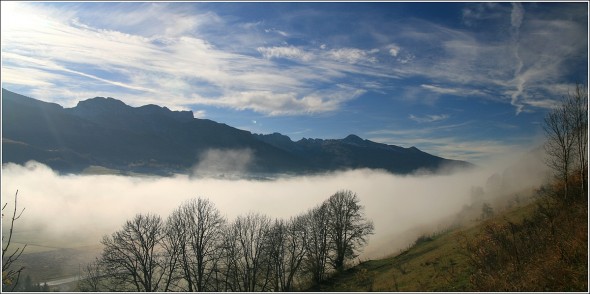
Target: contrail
{"type": "Point", "coordinates": [516, 21]}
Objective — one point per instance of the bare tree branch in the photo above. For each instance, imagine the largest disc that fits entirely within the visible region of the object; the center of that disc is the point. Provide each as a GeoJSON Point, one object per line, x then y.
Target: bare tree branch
{"type": "Point", "coordinates": [11, 276]}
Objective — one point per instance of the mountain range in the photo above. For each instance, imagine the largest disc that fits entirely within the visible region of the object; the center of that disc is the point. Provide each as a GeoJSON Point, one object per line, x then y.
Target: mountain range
{"type": "Point", "coordinates": [151, 139]}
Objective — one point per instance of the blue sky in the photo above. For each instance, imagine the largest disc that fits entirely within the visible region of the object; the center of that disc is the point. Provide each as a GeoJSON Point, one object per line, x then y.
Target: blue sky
{"type": "Point", "coordinates": [466, 81]}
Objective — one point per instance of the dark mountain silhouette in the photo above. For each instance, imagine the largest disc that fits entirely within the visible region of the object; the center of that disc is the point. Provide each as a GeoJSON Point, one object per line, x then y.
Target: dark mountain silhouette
{"type": "Point", "coordinates": [152, 139]}
{"type": "Point", "coordinates": [355, 152]}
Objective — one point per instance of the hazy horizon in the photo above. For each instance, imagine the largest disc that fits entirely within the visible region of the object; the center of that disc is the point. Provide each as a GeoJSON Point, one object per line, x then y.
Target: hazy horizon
{"type": "Point", "coordinates": [80, 209]}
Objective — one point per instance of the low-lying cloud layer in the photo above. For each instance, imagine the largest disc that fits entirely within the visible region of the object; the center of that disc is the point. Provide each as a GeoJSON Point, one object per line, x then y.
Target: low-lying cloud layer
{"type": "Point", "coordinates": [75, 210]}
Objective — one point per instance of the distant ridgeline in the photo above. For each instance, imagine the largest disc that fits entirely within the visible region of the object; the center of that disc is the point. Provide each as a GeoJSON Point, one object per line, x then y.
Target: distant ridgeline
{"type": "Point", "coordinates": [151, 139]}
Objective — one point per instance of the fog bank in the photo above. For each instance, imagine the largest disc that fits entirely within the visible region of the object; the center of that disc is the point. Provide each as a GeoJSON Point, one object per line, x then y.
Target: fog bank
{"type": "Point", "coordinates": [76, 210]}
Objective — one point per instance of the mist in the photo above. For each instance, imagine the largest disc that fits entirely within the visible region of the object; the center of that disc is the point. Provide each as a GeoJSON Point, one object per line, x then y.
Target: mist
{"type": "Point", "coordinates": [77, 210]}
{"type": "Point", "coordinates": [216, 162]}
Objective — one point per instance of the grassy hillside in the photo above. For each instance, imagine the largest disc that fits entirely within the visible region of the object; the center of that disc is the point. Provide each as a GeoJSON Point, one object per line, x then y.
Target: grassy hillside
{"type": "Point", "coordinates": [539, 246]}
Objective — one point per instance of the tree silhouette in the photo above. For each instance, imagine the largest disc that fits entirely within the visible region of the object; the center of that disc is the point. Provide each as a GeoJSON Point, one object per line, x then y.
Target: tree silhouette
{"type": "Point", "coordinates": [198, 228]}
{"type": "Point", "coordinates": [316, 224]}
{"type": "Point", "coordinates": [133, 255]}
{"type": "Point", "coordinates": [566, 131]}
{"type": "Point", "coordinates": [11, 275]}
{"type": "Point", "coordinates": [347, 226]}
{"type": "Point", "coordinates": [196, 250]}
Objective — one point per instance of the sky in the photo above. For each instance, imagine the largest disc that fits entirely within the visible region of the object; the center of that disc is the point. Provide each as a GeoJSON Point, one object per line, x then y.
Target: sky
{"type": "Point", "coordinates": [467, 81]}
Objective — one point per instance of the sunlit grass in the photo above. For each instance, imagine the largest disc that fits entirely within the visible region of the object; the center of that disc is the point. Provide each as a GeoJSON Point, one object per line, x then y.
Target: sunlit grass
{"type": "Point", "coordinates": [436, 262]}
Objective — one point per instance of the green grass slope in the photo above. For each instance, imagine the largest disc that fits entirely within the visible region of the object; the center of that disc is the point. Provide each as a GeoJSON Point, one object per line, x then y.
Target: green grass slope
{"type": "Point", "coordinates": [539, 246]}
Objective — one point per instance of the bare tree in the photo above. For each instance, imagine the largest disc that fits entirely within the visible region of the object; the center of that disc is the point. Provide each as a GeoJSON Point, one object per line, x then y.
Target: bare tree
{"type": "Point", "coordinates": [173, 243]}
{"type": "Point", "coordinates": [316, 224]}
{"type": "Point", "coordinates": [560, 142]}
{"type": "Point", "coordinates": [199, 230]}
{"type": "Point", "coordinates": [277, 253]}
{"type": "Point", "coordinates": [195, 250]}
{"type": "Point", "coordinates": [176, 243]}
{"type": "Point", "coordinates": [296, 244]}
{"type": "Point", "coordinates": [229, 271]}
{"type": "Point", "coordinates": [566, 130]}
{"type": "Point", "coordinates": [577, 104]}
{"type": "Point", "coordinates": [92, 279]}
{"type": "Point", "coordinates": [347, 226]}
{"type": "Point", "coordinates": [10, 275]}
{"type": "Point", "coordinates": [288, 249]}
{"type": "Point", "coordinates": [251, 233]}
{"type": "Point", "coordinates": [134, 256]}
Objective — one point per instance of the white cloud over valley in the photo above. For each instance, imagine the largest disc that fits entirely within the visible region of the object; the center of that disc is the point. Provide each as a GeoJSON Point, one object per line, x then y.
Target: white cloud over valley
{"type": "Point", "coordinates": [63, 208]}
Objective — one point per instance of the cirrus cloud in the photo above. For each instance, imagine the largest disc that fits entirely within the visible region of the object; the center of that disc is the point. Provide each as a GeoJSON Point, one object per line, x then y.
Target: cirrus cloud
{"type": "Point", "coordinates": [173, 60]}
{"type": "Point", "coordinates": [429, 118]}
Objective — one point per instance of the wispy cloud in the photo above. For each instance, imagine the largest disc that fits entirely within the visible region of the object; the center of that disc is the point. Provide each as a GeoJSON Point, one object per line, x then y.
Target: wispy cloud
{"type": "Point", "coordinates": [38, 63]}
{"type": "Point", "coordinates": [516, 17]}
{"type": "Point", "coordinates": [429, 118]}
{"type": "Point", "coordinates": [200, 114]}
{"type": "Point", "coordinates": [353, 55]}
{"type": "Point", "coordinates": [273, 30]}
{"type": "Point", "coordinates": [418, 131]}
{"type": "Point", "coordinates": [394, 50]}
{"type": "Point", "coordinates": [449, 141]}
{"type": "Point", "coordinates": [458, 59]}
{"type": "Point", "coordinates": [459, 148]}
{"type": "Point", "coordinates": [439, 90]}
{"type": "Point", "coordinates": [344, 55]}
{"type": "Point", "coordinates": [27, 76]}
{"type": "Point", "coordinates": [475, 13]}
{"type": "Point", "coordinates": [458, 91]}
{"type": "Point", "coordinates": [289, 52]}
{"type": "Point", "coordinates": [140, 52]}
{"type": "Point", "coordinates": [171, 59]}
{"type": "Point", "coordinates": [284, 103]}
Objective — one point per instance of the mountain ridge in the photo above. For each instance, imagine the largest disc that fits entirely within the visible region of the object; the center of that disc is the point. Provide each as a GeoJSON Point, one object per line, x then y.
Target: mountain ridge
{"type": "Point", "coordinates": [156, 140]}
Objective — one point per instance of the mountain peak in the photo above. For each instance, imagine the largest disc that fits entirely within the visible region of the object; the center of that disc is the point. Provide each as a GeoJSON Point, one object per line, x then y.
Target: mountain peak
{"type": "Point", "coordinates": [151, 109]}
{"type": "Point", "coordinates": [101, 104]}
{"type": "Point", "coordinates": [354, 139]}
{"type": "Point", "coordinates": [97, 101]}
{"type": "Point", "coordinates": [280, 136]}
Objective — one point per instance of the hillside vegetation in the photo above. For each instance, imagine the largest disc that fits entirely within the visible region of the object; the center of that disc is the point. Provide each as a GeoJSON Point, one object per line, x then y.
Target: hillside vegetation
{"type": "Point", "coordinates": [539, 246]}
